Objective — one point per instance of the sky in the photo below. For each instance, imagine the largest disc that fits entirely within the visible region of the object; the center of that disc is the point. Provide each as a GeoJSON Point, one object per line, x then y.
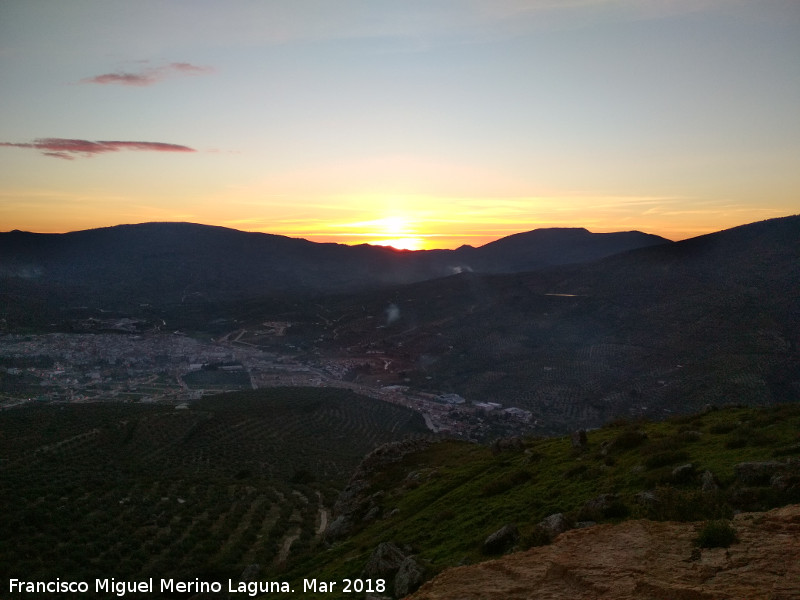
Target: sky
{"type": "Point", "coordinates": [415, 123]}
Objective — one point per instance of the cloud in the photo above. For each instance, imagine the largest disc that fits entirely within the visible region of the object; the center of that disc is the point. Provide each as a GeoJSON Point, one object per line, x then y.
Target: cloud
{"type": "Point", "coordinates": [148, 75]}
{"type": "Point", "coordinates": [68, 149]}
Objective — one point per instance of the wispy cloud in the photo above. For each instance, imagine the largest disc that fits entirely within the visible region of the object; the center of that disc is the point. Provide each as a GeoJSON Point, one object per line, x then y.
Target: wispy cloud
{"type": "Point", "coordinates": [68, 149]}
{"type": "Point", "coordinates": [148, 75]}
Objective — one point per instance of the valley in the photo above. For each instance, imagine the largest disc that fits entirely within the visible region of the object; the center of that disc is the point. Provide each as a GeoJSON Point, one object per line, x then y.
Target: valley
{"type": "Point", "coordinates": [268, 409]}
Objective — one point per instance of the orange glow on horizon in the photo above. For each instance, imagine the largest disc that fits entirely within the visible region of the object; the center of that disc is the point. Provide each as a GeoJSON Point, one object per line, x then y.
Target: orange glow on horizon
{"type": "Point", "coordinates": [406, 222]}
{"type": "Point", "coordinates": [408, 243]}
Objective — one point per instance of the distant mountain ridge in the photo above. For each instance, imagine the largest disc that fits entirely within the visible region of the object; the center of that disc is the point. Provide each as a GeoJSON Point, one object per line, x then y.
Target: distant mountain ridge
{"type": "Point", "coordinates": [652, 331]}
{"type": "Point", "coordinates": [170, 262]}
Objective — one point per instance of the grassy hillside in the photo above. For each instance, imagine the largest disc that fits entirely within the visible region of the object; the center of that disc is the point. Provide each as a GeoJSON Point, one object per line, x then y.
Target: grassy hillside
{"type": "Point", "coordinates": [131, 490]}
{"type": "Point", "coordinates": [440, 504]}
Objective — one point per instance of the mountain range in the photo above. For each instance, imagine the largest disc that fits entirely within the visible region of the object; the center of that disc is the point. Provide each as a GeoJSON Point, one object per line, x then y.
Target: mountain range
{"type": "Point", "coordinates": [163, 263]}
{"type": "Point", "coordinates": [576, 328]}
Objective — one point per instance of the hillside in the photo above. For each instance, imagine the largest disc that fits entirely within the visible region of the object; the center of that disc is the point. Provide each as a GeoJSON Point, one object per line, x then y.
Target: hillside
{"type": "Point", "coordinates": [438, 507]}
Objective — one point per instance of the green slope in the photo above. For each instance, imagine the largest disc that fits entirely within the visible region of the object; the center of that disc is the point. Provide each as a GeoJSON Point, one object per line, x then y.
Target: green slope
{"type": "Point", "coordinates": [440, 504]}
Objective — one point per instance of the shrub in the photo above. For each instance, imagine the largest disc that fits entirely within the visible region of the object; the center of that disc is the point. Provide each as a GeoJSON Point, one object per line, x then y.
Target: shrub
{"type": "Point", "coordinates": [716, 534]}
{"type": "Point", "coordinates": [662, 459]}
{"type": "Point", "coordinates": [628, 440]}
{"type": "Point", "coordinates": [538, 536]}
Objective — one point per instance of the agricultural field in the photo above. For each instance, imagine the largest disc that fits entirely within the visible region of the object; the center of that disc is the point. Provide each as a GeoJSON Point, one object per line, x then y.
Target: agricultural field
{"type": "Point", "coordinates": [133, 490]}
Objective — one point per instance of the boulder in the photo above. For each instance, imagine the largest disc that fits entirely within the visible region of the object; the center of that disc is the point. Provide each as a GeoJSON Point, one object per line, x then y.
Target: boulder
{"type": "Point", "coordinates": [340, 527]}
{"type": "Point", "coordinates": [683, 473]}
{"type": "Point", "coordinates": [501, 540]}
{"type": "Point", "coordinates": [250, 572]}
{"type": "Point", "coordinates": [350, 498]}
{"type": "Point", "coordinates": [384, 561]}
{"type": "Point", "coordinates": [648, 499]}
{"type": "Point", "coordinates": [708, 483]}
{"type": "Point", "coordinates": [554, 524]}
{"type": "Point", "coordinates": [409, 577]}
{"type": "Point", "coordinates": [600, 507]}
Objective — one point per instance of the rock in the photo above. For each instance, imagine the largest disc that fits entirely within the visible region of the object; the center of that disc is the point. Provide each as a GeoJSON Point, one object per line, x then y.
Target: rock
{"type": "Point", "coordinates": [683, 473]}
{"type": "Point", "coordinates": [708, 483]}
{"type": "Point", "coordinates": [691, 436]}
{"type": "Point", "coordinates": [758, 473]}
{"type": "Point", "coordinates": [250, 572]}
{"type": "Point", "coordinates": [554, 524]}
{"type": "Point", "coordinates": [785, 483]}
{"type": "Point", "coordinates": [601, 507]}
{"type": "Point", "coordinates": [353, 504]}
{"type": "Point", "coordinates": [384, 561]}
{"type": "Point", "coordinates": [501, 540]}
{"type": "Point", "coordinates": [579, 439]}
{"type": "Point", "coordinates": [640, 559]}
{"type": "Point", "coordinates": [648, 499]}
{"type": "Point", "coordinates": [338, 528]}
{"type": "Point", "coordinates": [409, 577]}
{"type": "Point", "coordinates": [350, 497]}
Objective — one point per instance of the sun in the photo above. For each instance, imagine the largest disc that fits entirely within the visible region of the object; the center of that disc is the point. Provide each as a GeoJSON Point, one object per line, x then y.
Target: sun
{"type": "Point", "coordinates": [397, 232]}
{"type": "Point", "coordinates": [406, 243]}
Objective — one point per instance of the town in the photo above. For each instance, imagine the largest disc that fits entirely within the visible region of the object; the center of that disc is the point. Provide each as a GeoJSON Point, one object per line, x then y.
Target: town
{"type": "Point", "coordinates": [175, 369]}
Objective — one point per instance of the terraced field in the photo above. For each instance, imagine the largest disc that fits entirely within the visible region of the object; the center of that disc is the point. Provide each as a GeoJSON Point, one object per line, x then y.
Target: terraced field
{"type": "Point", "coordinates": [131, 490]}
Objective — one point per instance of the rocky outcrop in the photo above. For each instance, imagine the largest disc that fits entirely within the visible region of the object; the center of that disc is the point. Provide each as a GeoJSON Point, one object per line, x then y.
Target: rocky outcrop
{"type": "Point", "coordinates": [409, 577]}
{"type": "Point", "coordinates": [384, 561]}
{"type": "Point", "coordinates": [355, 505]}
{"type": "Point", "coordinates": [641, 559]}
{"type": "Point", "coordinates": [390, 563]}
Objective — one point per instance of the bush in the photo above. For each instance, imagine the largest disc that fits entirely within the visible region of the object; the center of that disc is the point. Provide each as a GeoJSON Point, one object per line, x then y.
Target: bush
{"type": "Point", "coordinates": [538, 536]}
{"type": "Point", "coordinates": [716, 534]}
{"type": "Point", "coordinates": [628, 440]}
{"type": "Point", "coordinates": [662, 459]}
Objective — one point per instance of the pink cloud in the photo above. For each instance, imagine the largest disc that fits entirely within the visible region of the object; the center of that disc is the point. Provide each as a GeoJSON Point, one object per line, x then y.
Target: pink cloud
{"type": "Point", "coordinates": [68, 149]}
{"type": "Point", "coordinates": [149, 75]}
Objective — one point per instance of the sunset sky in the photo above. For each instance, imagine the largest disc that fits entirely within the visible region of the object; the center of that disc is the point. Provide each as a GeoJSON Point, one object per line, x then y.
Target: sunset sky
{"type": "Point", "coordinates": [425, 124]}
